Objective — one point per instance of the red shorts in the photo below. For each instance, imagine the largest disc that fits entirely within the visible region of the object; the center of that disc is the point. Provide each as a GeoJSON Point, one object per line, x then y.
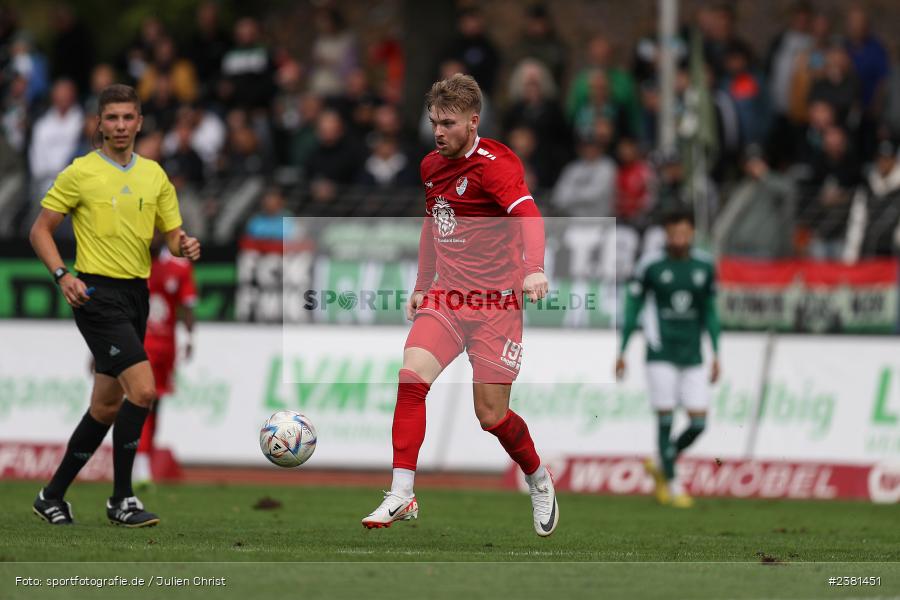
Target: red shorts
{"type": "Point", "coordinates": [162, 361]}
{"type": "Point", "coordinates": [491, 335]}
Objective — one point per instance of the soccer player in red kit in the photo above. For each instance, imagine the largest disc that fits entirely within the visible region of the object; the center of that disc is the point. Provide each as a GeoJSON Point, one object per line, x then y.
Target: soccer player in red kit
{"type": "Point", "coordinates": [476, 265]}
{"type": "Point", "coordinates": [172, 294]}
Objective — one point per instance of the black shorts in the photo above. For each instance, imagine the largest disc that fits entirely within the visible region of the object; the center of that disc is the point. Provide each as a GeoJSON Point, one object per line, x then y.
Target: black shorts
{"type": "Point", "coordinates": [113, 322]}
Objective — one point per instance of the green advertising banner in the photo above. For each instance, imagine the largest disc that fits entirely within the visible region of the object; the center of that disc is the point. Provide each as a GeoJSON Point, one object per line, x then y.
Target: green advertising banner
{"type": "Point", "coordinates": [28, 292]}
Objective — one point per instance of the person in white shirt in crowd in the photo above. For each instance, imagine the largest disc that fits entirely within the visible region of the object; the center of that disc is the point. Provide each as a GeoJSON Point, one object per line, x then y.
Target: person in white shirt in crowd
{"type": "Point", "coordinates": [207, 137]}
{"type": "Point", "coordinates": [587, 185]}
{"type": "Point", "coordinates": [54, 141]}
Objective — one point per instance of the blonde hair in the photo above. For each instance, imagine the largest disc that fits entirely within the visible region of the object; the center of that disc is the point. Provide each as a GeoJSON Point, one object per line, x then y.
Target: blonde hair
{"type": "Point", "coordinates": [527, 69]}
{"type": "Point", "coordinates": [458, 93]}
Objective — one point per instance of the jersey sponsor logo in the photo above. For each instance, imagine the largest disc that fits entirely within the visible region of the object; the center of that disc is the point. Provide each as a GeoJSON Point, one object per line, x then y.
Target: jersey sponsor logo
{"type": "Point", "coordinates": [681, 301]}
{"type": "Point", "coordinates": [699, 277]}
{"type": "Point", "coordinates": [666, 276]}
{"type": "Point", "coordinates": [461, 184]}
{"type": "Point", "coordinates": [444, 217]}
{"type": "Point", "coordinates": [486, 154]}
{"type": "Point", "coordinates": [512, 354]}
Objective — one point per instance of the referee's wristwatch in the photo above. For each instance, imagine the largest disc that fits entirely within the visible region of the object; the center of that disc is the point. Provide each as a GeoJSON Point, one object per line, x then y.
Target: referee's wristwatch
{"type": "Point", "coordinates": [59, 274]}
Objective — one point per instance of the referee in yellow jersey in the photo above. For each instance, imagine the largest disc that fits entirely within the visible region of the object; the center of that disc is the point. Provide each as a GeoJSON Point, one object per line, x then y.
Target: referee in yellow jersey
{"type": "Point", "coordinates": [116, 199]}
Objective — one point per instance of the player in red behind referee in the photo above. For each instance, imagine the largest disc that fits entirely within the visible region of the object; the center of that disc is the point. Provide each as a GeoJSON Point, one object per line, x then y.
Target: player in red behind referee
{"type": "Point", "coordinates": [172, 296]}
{"type": "Point", "coordinates": [476, 266]}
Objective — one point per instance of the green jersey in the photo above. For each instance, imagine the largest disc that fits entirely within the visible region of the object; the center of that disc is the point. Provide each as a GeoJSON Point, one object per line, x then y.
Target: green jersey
{"type": "Point", "coordinates": [678, 296]}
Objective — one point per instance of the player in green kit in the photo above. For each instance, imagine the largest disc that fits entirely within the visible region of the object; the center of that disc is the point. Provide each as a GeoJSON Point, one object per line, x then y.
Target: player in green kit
{"type": "Point", "coordinates": [677, 290]}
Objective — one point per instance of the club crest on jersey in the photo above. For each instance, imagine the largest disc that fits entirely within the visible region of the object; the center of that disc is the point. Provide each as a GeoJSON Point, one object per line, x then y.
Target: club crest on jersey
{"type": "Point", "coordinates": [461, 184]}
{"type": "Point", "coordinates": [444, 217]}
{"type": "Point", "coordinates": [699, 277]}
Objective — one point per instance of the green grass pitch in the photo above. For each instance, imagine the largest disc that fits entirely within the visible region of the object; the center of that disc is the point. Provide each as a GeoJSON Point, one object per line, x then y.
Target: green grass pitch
{"type": "Point", "coordinates": [466, 544]}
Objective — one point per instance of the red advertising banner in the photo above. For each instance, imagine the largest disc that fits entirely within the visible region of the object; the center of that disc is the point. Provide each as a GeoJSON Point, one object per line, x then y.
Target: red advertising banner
{"type": "Point", "coordinates": [29, 460]}
{"type": "Point", "coordinates": [726, 478]}
{"type": "Point", "coordinates": [800, 295]}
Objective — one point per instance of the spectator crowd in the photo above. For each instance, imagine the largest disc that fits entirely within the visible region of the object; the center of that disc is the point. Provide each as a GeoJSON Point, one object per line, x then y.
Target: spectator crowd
{"type": "Point", "coordinates": [804, 160]}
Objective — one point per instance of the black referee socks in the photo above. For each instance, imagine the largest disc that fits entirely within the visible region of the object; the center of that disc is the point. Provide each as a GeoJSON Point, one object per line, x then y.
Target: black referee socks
{"type": "Point", "coordinates": [126, 437]}
{"type": "Point", "coordinates": [87, 438]}
{"type": "Point", "coordinates": [84, 441]}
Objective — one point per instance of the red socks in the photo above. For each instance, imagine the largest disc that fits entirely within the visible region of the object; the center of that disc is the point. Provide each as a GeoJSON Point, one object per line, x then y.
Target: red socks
{"type": "Point", "coordinates": [408, 431]}
{"type": "Point", "coordinates": [515, 439]}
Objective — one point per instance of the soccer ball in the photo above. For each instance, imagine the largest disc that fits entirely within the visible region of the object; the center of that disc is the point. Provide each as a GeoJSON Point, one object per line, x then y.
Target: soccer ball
{"type": "Point", "coordinates": [288, 439]}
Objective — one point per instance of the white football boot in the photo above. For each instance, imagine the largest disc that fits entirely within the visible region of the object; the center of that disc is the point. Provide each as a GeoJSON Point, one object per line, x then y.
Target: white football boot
{"type": "Point", "coordinates": [393, 508]}
{"type": "Point", "coordinates": [543, 502]}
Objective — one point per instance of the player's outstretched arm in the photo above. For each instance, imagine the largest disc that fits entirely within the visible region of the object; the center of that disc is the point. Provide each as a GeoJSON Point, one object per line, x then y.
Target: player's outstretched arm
{"type": "Point", "coordinates": [531, 221]}
{"type": "Point", "coordinates": [186, 314]}
{"type": "Point", "coordinates": [713, 327]}
{"type": "Point", "coordinates": [187, 298]}
{"type": "Point", "coordinates": [634, 301]}
{"type": "Point", "coordinates": [427, 257]}
{"type": "Point", "coordinates": [425, 276]}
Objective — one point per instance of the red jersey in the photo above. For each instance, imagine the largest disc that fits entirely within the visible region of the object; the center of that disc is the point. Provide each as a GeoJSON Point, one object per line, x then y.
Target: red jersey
{"type": "Point", "coordinates": [633, 183]}
{"type": "Point", "coordinates": [171, 285]}
{"type": "Point", "coordinates": [474, 246]}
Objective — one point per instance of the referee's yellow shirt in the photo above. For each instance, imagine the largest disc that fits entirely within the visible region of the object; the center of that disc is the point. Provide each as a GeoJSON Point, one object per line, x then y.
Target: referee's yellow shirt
{"type": "Point", "coordinates": [114, 211]}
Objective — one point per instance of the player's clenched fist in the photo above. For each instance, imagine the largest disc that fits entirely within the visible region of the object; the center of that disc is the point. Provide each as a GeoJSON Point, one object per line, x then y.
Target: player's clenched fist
{"type": "Point", "coordinates": [414, 302]}
{"type": "Point", "coordinates": [74, 290]}
{"type": "Point", "coordinates": [536, 286]}
{"type": "Point", "coordinates": [190, 246]}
